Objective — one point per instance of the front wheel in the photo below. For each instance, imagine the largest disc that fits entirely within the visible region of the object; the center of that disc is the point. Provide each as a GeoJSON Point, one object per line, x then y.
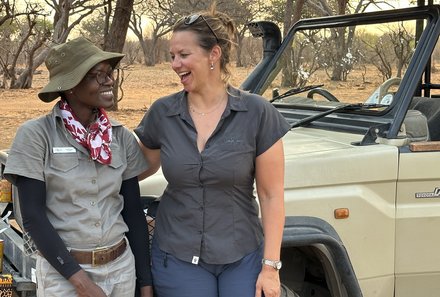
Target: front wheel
{"type": "Point", "coordinates": [286, 292]}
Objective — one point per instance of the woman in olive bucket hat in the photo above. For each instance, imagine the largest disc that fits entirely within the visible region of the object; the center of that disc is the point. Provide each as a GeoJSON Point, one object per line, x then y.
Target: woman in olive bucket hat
{"type": "Point", "coordinates": [76, 173]}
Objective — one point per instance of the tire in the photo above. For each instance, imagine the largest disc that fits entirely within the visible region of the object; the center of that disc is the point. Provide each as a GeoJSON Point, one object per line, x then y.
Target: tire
{"type": "Point", "coordinates": [286, 292]}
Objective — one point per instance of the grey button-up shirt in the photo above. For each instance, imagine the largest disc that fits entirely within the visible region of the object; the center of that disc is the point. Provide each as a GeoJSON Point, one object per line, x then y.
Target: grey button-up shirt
{"type": "Point", "coordinates": [82, 196]}
{"type": "Point", "coordinates": [208, 210]}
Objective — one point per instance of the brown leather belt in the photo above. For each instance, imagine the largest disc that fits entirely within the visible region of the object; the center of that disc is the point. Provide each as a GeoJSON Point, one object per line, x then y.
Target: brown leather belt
{"type": "Point", "coordinates": [100, 256]}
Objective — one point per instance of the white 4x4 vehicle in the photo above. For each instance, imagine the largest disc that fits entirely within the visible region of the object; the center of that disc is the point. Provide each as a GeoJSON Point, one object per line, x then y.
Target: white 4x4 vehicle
{"type": "Point", "coordinates": [362, 176]}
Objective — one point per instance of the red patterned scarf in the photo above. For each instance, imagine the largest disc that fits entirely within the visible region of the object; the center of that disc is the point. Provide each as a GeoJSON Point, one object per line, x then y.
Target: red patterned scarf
{"type": "Point", "coordinates": [96, 138]}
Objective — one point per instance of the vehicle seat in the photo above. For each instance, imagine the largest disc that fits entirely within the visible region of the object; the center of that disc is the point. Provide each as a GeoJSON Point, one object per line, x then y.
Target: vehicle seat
{"type": "Point", "coordinates": [415, 126]}
{"type": "Point", "coordinates": [430, 107]}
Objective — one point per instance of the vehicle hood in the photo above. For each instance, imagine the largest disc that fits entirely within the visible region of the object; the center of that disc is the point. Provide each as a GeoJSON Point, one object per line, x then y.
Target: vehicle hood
{"type": "Point", "coordinates": [316, 157]}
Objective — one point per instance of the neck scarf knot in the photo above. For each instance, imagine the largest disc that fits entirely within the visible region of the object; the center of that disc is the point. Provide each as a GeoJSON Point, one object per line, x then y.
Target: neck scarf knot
{"type": "Point", "coordinates": [96, 138]}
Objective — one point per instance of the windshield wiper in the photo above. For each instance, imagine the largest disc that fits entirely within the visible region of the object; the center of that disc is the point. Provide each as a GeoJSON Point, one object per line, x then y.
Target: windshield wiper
{"type": "Point", "coordinates": [295, 91]}
{"type": "Point", "coordinates": [356, 106]}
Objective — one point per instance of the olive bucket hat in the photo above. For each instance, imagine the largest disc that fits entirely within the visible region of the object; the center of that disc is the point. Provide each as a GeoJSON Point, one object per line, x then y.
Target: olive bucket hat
{"type": "Point", "coordinates": [69, 62]}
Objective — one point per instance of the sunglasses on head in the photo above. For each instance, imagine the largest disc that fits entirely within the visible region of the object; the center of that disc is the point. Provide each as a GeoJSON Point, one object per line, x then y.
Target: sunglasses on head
{"type": "Point", "coordinates": [189, 20]}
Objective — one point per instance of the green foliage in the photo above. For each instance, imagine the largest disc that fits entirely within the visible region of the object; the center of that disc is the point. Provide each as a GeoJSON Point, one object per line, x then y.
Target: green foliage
{"type": "Point", "coordinates": [93, 29]}
{"type": "Point", "coordinates": [9, 29]}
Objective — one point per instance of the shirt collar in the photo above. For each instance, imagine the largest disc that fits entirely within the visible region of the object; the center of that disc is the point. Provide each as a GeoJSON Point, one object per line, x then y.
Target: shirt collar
{"type": "Point", "coordinates": [56, 113]}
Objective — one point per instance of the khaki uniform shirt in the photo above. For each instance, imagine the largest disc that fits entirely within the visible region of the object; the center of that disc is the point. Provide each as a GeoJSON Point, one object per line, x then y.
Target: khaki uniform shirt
{"type": "Point", "coordinates": [208, 210]}
{"type": "Point", "coordinates": [82, 196]}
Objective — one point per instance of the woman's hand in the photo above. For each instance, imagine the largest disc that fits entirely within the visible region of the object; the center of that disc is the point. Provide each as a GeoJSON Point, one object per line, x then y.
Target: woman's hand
{"type": "Point", "coordinates": [84, 286]}
{"type": "Point", "coordinates": [147, 291]}
{"type": "Point", "coordinates": [268, 282]}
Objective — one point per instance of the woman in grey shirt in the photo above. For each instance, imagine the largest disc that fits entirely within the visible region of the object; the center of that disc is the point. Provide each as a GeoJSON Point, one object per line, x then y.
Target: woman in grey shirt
{"type": "Point", "coordinates": [213, 141]}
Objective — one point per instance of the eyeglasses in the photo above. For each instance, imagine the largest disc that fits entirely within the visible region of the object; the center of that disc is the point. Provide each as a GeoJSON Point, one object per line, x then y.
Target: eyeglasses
{"type": "Point", "coordinates": [102, 76]}
{"type": "Point", "coordinates": [189, 20]}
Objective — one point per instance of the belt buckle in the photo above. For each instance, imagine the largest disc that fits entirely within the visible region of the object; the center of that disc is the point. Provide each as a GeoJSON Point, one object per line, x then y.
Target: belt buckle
{"type": "Point", "coordinates": [94, 253]}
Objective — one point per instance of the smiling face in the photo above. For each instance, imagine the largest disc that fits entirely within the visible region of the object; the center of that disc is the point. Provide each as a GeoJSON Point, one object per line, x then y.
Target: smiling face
{"type": "Point", "coordinates": [190, 61]}
{"type": "Point", "coordinates": [90, 93]}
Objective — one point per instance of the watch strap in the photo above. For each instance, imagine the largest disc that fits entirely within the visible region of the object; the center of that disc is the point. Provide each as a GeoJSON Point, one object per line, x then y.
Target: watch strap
{"type": "Point", "coordinates": [276, 264]}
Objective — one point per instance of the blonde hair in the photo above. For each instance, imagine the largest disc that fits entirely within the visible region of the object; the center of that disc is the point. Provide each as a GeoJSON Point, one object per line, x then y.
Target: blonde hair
{"type": "Point", "coordinates": [212, 28]}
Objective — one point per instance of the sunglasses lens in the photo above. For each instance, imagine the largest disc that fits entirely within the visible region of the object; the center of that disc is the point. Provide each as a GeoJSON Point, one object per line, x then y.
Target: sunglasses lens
{"type": "Point", "coordinates": [101, 77]}
{"type": "Point", "coordinates": [191, 19]}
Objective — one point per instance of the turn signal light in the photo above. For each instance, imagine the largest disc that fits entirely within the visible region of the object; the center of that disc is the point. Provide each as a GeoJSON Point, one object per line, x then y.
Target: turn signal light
{"type": "Point", "coordinates": [342, 213]}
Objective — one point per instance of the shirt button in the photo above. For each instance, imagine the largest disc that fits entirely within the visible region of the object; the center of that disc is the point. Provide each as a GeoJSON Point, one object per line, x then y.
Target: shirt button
{"type": "Point", "coordinates": [93, 181]}
{"type": "Point", "coordinates": [92, 203]}
{"type": "Point", "coordinates": [97, 224]}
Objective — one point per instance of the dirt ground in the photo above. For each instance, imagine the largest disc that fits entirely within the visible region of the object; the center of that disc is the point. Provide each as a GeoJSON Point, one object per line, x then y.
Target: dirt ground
{"type": "Point", "coordinates": [142, 85]}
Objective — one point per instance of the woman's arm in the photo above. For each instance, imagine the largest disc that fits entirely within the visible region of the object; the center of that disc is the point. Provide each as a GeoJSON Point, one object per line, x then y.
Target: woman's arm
{"type": "Point", "coordinates": [32, 195]}
{"type": "Point", "coordinates": [269, 178]}
{"type": "Point", "coordinates": [137, 235]}
{"type": "Point", "coordinates": [153, 159]}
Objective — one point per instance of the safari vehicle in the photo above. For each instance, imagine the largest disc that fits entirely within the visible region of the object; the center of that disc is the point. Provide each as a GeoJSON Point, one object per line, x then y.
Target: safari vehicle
{"type": "Point", "coordinates": [362, 184]}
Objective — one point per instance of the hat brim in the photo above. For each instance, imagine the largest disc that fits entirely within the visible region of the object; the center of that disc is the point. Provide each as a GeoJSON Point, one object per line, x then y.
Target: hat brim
{"type": "Point", "coordinates": [69, 80]}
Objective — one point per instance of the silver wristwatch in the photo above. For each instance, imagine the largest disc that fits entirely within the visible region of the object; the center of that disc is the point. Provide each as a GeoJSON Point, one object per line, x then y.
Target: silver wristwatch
{"type": "Point", "coordinates": [275, 264]}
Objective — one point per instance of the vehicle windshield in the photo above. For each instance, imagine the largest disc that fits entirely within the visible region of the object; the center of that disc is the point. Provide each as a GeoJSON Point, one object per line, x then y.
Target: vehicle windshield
{"type": "Point", "coordinates": [357, 64]}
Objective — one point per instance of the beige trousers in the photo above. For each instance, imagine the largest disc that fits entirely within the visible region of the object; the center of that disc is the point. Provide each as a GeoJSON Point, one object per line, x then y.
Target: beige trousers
{"type": "Point", "coordinates": [117, 278]}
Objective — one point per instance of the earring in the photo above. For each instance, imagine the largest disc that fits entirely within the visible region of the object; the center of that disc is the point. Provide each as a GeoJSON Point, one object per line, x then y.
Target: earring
{"type": "Point", "coordinates": [212, 66]}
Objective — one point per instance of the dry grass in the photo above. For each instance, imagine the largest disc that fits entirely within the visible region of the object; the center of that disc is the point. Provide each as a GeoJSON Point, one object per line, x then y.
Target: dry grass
{"type": "Point", "coordinates": [141, 87]}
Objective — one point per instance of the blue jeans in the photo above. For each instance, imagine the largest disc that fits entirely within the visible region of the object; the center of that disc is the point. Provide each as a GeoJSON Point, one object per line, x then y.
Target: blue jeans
{"type": "Point", "coordinates": [176, 278]}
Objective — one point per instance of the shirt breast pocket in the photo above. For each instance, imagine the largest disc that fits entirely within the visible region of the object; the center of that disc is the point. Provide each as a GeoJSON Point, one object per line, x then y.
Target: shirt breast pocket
{"type": "Point", "coordinates": [116, 157]}
{"type": "Point", "coordinates": [64, 162]}
{"type": "Point", "coordinates": [233, 145]}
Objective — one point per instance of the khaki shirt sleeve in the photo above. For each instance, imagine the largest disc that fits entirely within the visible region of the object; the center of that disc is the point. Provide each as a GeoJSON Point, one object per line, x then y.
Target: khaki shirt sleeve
{"type": "Point", "coordinates": [27, 153]}
{"type": "Point", "coordinates": [136, 162]}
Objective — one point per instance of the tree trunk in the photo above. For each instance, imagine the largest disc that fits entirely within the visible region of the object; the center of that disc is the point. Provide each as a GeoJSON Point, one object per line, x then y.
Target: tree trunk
{"type": "Point", "coordinates": [150, 58]}
{"type": "Point", "coordinates": [297, 11]}
{"type": "Point", "coordinates": [117, 34]}
{"type": "Point", "coordinates": [341, 50]}
{"type": "Point", "coordinates": [145, 50]}
{"type": "Point", "coordinates": [60, 33]}
{"type": "Point", "coordinates": [291, 16]}
{"type": "Point", "coordinates": [286, 78]}
{"type": "Point", "coordinates": [239, 62]}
